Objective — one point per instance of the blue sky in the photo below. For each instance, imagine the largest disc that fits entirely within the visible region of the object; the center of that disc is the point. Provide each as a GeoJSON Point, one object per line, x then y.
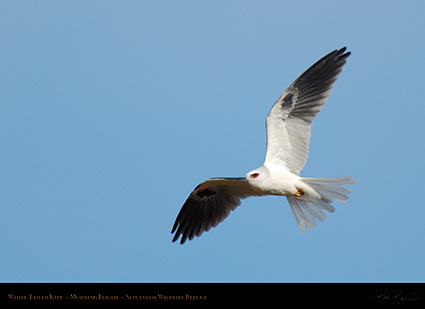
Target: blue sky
{"type": "Point", "coordinates": [113, 111]}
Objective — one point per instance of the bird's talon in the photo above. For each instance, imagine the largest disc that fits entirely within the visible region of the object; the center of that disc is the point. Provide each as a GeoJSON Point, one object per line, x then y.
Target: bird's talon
{"type": "Point", "coordinates": [299, 193]}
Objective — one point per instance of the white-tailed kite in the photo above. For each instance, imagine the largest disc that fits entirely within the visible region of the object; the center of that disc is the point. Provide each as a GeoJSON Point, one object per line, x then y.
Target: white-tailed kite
{"type": "Point", "coordinates": [288, 136]}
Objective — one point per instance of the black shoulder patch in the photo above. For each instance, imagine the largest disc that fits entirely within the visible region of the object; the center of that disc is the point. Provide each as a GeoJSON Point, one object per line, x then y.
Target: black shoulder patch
{"type": "Point", "coordinates": [289, 100]}
{"type": "Point", "coordinates": [205, 192]}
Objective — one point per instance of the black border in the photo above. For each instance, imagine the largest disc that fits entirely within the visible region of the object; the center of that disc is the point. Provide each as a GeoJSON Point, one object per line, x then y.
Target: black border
{"type": "Point", "coordinates": [188, 294]}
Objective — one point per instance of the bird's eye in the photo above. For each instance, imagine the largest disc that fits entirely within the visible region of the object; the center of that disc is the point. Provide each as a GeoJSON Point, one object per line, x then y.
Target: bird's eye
{"type": "Point", "coordinates": [255, 175]}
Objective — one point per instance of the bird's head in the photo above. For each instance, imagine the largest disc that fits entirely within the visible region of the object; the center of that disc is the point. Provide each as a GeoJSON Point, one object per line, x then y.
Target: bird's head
{"type": "Point", "coordinates": [258, 176]}
{"type": "Point", "coordinates": [252, 175]}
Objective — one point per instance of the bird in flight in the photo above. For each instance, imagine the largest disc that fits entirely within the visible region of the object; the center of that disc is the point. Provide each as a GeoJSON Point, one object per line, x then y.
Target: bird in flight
{"type": "Point", "coordinates": [288, 136]}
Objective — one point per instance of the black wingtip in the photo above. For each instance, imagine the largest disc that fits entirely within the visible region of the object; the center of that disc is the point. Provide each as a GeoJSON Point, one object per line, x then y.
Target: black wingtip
{"type": "Point", "coordinates": [182, 240]}
{"type": "Point", "coordinates": [178, 233]}
{"type": "Point", "coordinates": [342, 54]}
{"type": "Point", "coordinates": [337, 53]}
{"type": "Point", "coordinates": [174, 227]}
{"type": "Point", "coordinates": [175, 238]}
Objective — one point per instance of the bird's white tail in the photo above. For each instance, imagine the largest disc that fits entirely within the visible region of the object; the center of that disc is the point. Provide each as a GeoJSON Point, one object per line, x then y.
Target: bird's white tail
{"type": "Point", "coordinates": [329, 189]}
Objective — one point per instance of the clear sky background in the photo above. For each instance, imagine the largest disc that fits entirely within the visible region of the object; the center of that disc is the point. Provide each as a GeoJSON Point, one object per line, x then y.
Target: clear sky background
{"type": "Point", "coordinates": [111, 112]}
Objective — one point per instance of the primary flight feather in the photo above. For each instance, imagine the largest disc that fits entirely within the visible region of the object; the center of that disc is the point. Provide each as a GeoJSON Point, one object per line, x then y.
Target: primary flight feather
{"type": "Point", "coordinates": [288, 136]}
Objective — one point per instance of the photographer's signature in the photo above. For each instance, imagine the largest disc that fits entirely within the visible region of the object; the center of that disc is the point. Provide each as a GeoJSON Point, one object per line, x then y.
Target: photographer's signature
{"type": "Point", "coordinates": [396, 296]}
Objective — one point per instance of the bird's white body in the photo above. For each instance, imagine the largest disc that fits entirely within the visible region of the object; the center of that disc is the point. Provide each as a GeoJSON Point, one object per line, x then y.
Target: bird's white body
{"type": "Point", "coordinates": [275, 179]}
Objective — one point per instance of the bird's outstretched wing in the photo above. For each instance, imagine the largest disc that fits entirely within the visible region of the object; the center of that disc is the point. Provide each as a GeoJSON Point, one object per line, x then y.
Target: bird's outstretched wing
{"type": "Point", "coordinates": [208, 205]}
{"type": "Point", "coordinates": [290, 119]}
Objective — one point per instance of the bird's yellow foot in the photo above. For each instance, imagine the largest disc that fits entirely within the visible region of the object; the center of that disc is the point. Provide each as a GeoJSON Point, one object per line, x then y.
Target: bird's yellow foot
{"type": "Point", "coordinates": [299, 193]}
